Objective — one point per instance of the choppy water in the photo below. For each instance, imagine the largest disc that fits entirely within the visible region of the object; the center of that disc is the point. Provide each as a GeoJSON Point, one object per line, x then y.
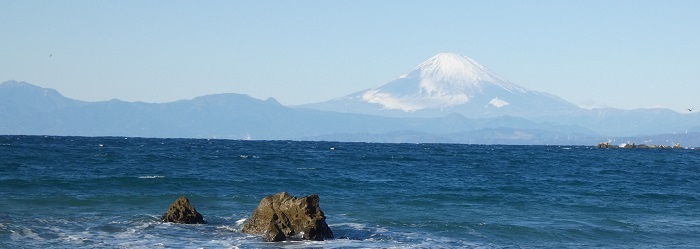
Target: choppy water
{"type": "Point", "coordinates": [67, 192]}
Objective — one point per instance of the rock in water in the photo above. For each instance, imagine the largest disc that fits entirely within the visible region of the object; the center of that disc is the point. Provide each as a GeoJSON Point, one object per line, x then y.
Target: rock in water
{"type": "Point", "coordinates": [182, 212]}
{"type": "Point", "coordinates": [281, 216]}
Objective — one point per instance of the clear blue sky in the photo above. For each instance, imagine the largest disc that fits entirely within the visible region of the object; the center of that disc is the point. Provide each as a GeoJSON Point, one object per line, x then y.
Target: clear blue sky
{"type": "Point", "coordinates": [623, 54]}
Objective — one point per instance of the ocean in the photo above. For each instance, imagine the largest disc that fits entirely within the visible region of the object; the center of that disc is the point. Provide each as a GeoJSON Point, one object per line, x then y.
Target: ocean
{"type": "Point", "coordinates": [109, 192]}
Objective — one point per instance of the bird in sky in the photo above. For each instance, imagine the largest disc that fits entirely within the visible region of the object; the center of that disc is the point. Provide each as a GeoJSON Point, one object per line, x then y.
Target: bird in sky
{"type": "Point", "coordinates": [50, 55]}
{"type": "Point", "coordinates": [690, 109]}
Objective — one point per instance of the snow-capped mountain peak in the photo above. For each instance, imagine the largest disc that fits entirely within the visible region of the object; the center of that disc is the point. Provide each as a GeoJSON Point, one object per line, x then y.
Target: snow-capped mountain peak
{"type": "Point", "coordinates": [453, 68]}
{"type": "Point", "coordinates": [448, 83]}
{"type": "Point", "coordinates": [444, 80]}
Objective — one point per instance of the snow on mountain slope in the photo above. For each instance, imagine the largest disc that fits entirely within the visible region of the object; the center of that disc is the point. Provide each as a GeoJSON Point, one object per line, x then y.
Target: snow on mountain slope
{"type": "Point", "coordinates": [447, 82]}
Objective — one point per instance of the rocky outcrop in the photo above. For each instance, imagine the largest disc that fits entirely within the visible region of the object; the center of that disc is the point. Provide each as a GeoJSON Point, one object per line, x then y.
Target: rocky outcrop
{"type": "Point", "coordinates": [182, 212]}
{"type": "Point", "coordinates": [281, 217]}
{"type": "Point", "coordinates": [607, 145]}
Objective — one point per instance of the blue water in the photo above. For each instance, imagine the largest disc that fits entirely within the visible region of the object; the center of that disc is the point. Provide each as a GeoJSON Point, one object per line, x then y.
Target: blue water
{"type": "Point", "coordinates": [67, 192]}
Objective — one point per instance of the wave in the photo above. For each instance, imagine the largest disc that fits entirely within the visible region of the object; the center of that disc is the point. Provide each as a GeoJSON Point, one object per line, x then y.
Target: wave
{"type": "Point", "coordinates": [24, 234]}
{"type": "Point", "coordinates": [146, 231]}
{"type": "Point", "coordinates": [240, 222]}
{"type": "Point", "coordinates": [151, 177]}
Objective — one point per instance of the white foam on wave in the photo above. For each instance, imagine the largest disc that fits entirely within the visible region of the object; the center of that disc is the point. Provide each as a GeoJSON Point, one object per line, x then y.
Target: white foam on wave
{"type": "Point", "coordinates": [227, 228]}
{"type": "Point", "coordinates": [351, 234]}
{"type": "Point", "coordinates": [307, 168]}
{"type": "Point", "coordinates": [241, 221]}
{"type": "Point", "coordinates": [25, 233]}
{"type": "Point", "coordinates": [151, 177]}
{"type": "Point", "coordinates": [167, 235]}
{"type": "Point", "coordinates": [147, 231]}
{"type": "Point", "coordinates": [356, 226]}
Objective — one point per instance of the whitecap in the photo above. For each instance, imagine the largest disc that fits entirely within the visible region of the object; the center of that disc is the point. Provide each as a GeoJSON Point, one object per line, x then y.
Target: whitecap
{"type": "Point", "coordinates": [151, 177]}
{"type": "Point", "coordinates": [25, 233]}
{"type": "Point", "coordinates": [353, 225]}
{"type": "Point", "coordinates": [307, 168]}
{"type": "Point", "coordinates": [241, 221]}
{"type": "Point", "coordinates": [228, 228]}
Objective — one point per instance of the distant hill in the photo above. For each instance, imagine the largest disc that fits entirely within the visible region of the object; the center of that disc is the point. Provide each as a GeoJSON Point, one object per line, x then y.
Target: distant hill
{"type": "Point", "coordinates": [26, 109]}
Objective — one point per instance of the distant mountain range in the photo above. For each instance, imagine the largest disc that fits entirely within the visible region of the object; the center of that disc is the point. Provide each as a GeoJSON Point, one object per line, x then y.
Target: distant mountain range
{"type": "Point", "coordinates": [447, 99]}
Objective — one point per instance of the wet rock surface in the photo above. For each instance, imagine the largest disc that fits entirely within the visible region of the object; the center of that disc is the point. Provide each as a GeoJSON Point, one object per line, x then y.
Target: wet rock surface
{"type": "Point", "coordinates": [282, 217]}
{"type": "Point", "coordinates": [182, 212]}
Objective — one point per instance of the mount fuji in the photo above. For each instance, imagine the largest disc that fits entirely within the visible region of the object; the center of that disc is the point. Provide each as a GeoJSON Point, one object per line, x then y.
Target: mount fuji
{"type": "Point", "coordinates": [449, 83]}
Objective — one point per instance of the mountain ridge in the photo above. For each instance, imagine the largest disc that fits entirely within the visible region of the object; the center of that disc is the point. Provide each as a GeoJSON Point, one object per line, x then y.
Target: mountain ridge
{"type": "Point", "coordinates": [26, 109]}
{"type": "Point", "coordinates": [231, 116]}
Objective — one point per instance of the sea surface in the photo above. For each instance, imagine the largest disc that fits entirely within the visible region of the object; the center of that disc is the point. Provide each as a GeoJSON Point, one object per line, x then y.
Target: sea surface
{"type": "Point", "coordinates": [109, 192]}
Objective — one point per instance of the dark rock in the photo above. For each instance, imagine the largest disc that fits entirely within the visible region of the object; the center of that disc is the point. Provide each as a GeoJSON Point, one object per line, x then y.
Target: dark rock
{"type": "Point", "coordinates": [606, 145]}
{"type": "Point", "coordinates": [280, 217]}
{"type": "Point", "coordinates": [182, 212]}
{"type": "Point", "coordinates": [274, 233]}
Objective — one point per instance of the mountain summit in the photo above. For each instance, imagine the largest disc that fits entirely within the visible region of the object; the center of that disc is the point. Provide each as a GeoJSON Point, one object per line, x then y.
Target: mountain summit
{"type": "Point", "coordinates": [444, 80]}
{"type": "Point", "coordinates": [446, 83]}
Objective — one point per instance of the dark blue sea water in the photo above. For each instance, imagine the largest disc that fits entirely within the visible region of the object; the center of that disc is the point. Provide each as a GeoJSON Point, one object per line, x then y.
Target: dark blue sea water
{"type": "Point", "coordinates": [68, 192]}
